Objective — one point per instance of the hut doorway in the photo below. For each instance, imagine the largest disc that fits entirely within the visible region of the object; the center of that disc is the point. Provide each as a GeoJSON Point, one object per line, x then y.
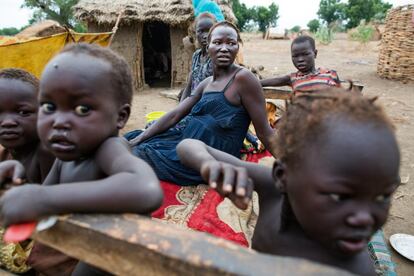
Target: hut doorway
{"type": "Point", "coordinates": [157, 54]}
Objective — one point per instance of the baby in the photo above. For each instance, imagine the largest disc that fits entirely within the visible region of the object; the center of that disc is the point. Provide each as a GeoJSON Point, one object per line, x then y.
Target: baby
{"type": "Point", "coordinates": [18, 134]}
{"type": "Point", "coordinates": [307, 78]}
{"type": "Point", "coordinates": [85, 99]}
{"type": "Point", "coordinates": [330, 188]}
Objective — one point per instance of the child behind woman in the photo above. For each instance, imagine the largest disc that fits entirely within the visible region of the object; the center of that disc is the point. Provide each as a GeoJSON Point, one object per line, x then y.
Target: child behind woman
{"type": "Point", "coordinates": [330, 188]}
{"type": "Point", "coordinates": [307, 78]}
{"type": "Point", "coordinates": [85, 99]}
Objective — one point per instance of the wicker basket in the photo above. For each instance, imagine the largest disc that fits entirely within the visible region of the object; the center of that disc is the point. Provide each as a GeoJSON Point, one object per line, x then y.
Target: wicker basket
{"type": "Point", "coordinates": [396, 57]}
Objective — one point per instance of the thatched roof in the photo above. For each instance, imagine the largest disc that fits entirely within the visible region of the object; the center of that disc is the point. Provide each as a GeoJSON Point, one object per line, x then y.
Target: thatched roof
{"type": "Point", "coordinates": [41, 29]}
{"type": "Point", "coordinates": [172, 12]}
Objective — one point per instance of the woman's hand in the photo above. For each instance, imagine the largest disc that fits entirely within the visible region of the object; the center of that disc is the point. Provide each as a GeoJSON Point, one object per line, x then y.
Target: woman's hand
{"type": "Point", "coordinates": [135, 141]}
{"type": "Point", "coordinates": [229, 180]}
{"type": "Point", "coordinates": [23, 204]}
{"type": "Point", "coordinates": [11, 172]}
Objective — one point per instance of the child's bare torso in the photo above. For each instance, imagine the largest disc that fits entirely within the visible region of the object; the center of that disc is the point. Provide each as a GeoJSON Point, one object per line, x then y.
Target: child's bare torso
{"type": "Point", "coordinates": [76, 171]}
{"type": "Point", "coordinates": [37, 164]}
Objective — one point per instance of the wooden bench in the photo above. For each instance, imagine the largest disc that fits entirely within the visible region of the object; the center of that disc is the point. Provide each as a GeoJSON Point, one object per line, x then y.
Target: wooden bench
{"type": "Point", "coordinates": [136, 245]}
{"type": "Point", "coordinates": [277, 93]}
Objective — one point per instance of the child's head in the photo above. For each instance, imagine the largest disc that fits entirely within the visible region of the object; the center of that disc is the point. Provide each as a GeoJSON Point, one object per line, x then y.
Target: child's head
{"type": "Point", "coordinates": [18, 108]}
{"type": "Point", "coordinates": [85, 97]}
{"type": "Point", "coordinates": [339, 163]}
{"type": "Point", "coordinates": [223, 43]}
{"type": "Point", "coordinates": [203, 23]}
{"type": "Point", "coordinates": [303, 53]}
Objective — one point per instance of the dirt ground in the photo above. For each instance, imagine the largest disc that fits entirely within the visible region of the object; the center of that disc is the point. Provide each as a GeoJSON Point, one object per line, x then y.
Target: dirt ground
{"type": "Point", "coordinates": [352, 61]}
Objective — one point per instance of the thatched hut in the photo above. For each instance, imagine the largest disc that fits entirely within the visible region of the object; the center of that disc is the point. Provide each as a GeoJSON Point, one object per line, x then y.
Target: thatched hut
{"type": "Point", "coordinates": [150, 35]}
{"type": "Point", "coordinates": [41, 29]}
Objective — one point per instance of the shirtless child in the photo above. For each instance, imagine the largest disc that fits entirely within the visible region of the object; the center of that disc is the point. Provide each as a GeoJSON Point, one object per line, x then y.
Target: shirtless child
{"type": "Point", "coordinates": [330, 189]}
{"type": "Point", "coordinates": [18, 134]}
{"type": "Point", "coordinates": [307, 78]}
{"type": "Point", "coordinates": [85, 99]}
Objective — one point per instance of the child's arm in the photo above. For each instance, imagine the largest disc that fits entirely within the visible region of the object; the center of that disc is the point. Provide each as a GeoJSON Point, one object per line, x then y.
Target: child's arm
{"type": "Point", "coordinates": [277, 81]}
{"type": "Point", "coordinates": [45, 162]}
{"type": "Point", "coordinates": [225, 172]}
{"type": "Point", "coordinates": [131, 186]}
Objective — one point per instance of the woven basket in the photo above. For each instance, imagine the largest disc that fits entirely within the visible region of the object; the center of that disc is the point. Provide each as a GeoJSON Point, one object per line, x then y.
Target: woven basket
{"type": "Point", "coordinates": [396, 57]}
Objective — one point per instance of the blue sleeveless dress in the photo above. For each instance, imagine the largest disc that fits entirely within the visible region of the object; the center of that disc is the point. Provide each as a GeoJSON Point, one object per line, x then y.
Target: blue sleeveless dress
{"type": "Point", "coordinates": [213, 120]}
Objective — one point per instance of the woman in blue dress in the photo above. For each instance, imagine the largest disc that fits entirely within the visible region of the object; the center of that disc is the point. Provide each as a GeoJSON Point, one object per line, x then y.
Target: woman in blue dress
{"type": "Point", "coordinates": [218, 113]}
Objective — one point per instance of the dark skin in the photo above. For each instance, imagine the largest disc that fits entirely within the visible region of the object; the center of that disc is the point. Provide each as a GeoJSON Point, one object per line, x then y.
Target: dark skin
{"type": "Point", "coordinates": [303, 58]}
{"type": "Point", "coordinates": [244, 91]}
{"type": "Point", "coordinates": [202, 28]}
{"type": "Point", "coordinates": [78, 122]}
{"type": "Point", "coordinates": [18, 134]}
{"type": "Point", "coordinates": [349, 182]}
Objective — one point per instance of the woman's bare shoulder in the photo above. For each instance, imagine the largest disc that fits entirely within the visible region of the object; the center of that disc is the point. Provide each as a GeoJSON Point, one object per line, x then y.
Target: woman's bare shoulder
{"type": "Point", "coordinates": [245, 76]}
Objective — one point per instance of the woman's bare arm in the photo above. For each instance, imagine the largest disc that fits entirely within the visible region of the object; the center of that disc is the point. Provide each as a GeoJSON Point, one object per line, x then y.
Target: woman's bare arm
{"type": "Point", "coordinates": [251, 95]}
{"type": "Point", "coordinates": [172, 117]}
{"type": "Point", "coordinates": [187, 90]}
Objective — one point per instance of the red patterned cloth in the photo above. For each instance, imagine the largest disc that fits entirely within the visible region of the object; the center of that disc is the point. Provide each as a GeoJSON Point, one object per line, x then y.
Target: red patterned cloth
{"type": "Point", "coordinates": [203, 209]}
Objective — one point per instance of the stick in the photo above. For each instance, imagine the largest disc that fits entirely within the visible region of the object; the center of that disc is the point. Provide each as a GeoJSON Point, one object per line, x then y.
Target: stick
{"type": "Point", "coordinates": [115, 28]}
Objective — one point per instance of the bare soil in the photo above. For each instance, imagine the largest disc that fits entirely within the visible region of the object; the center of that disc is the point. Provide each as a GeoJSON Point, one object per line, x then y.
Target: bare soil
{"type": "Point", "coordinates": [352, 61]}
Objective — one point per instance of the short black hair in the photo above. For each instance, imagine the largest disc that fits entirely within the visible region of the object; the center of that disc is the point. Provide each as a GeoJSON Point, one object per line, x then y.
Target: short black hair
{"type": "Point", "coordinates": [305, 119]}
{"type": "Point", "coordinates": [120, 72]}
{"type": "Point", "coordinates": [20, 74]}
{"type": "Point", "coordinates": [305, 38]}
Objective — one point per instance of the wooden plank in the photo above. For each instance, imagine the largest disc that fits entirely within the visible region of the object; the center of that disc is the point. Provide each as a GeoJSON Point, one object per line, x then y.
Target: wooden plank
{"type": "Point", "coordinates": [5, 273]}
{"type": "Point", "coordinates": [131, 244]}
{"type": "Point", "coordinates": [277, 93]}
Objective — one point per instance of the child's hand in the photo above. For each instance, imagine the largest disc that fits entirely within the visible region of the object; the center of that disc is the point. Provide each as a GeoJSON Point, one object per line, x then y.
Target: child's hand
{"type": "Point", "coordinates": [229, 180]}
{"type": "Point", "coordinates": [11, 171]}
{"type": "Point", "coordinates": [22, 204]}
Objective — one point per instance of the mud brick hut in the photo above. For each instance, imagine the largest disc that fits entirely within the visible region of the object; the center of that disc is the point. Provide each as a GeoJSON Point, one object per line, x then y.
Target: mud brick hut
{"type": "Point", "coordinates": [150, 35]}
{"type": "Point", "coordinates": [396, 57]}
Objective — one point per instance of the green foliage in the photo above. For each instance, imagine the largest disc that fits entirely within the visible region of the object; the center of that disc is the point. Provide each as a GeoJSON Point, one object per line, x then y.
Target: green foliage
{"type": "Point", "coordinates": [363, 33]}
{"type": "Point", "coordinates": [262, 16]}
{"type": "Point", "coordinates": [367, 10]}
{"type": "Point", "coordinates": [324, 35]}
{"type": "Point", "coordinates": [9, 31]}
{"type": "Point", "coordinates": [331, 11]}
{"type": "Point", "coordinates": [242, 13]}
{"type": "Point", "coordinates": [266, 17]}
{"type": "Point", "coordinates": [58, 10]}
{"type": "Point", "coordinates": [295, 29]}
{"type": "Point", "coordinates": [313, 25]}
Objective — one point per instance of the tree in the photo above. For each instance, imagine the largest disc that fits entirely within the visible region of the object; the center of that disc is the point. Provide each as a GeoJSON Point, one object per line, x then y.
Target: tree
{"type": "Point", "coordinates": [9, 31]}
{"type": "Point", "coordinates": [358, 10]}
{"type": "Point", "coordinates": [331, 11]}
{"type": "Point", "coordinates": [242, 13]}
{"type": "Point", "coordinates": [295, 29]}
{"type": "Point", "coordinates": [313, 25]}
{"type": "Point", "coordinates": [58, 10]}
{"type": "Point", "coordinates": [266, 17]}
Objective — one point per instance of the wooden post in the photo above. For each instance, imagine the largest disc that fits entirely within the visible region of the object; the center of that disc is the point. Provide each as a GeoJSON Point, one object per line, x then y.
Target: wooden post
{"type": "Point", "coordinates": [136, 245]}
